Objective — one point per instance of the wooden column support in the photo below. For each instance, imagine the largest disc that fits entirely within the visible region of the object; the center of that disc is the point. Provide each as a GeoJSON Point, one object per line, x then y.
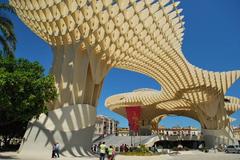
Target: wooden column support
{"type": "Point", "coordinates": [79, 77]}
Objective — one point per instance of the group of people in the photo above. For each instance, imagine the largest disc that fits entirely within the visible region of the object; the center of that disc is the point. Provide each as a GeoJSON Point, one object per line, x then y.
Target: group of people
{"type": "Point", "coordinates": [55, 150]}
{"type": "Point", "coordinates": [104, 151]}
{"type": "Point", "coordinates": [125, 148]}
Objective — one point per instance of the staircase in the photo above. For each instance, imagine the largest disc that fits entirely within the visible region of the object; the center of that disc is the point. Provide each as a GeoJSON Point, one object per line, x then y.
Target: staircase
{"type": "Point", "coordinates": [136, 140]}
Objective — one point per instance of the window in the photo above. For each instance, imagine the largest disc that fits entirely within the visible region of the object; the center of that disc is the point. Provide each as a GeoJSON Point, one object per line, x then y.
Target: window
{"type": "Point", "coordinates": [230, 146]}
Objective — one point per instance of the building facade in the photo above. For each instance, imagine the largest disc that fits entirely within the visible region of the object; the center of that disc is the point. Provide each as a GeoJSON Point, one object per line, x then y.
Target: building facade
{"type": "Point", "coordinates": [236, 132]}
{"type": "Point", "coordinates": [105, 125]}
{"type": "Point", "coordinates": [179, 131]}
{"type": "Point", "coordinates": [123, 132]}
{"type": "Point", "coordinates": [174, 131]}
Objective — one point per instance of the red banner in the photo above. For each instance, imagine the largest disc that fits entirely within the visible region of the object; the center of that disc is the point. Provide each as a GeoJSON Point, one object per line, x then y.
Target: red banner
{"type": "Point", "coordinates": [133, 116]}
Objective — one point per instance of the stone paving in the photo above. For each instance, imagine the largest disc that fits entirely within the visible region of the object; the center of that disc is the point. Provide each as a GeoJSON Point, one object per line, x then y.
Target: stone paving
{"type": "Point", "coordinates": [187, 155]}
{"type": "Point", "coordinates": [196, 155]}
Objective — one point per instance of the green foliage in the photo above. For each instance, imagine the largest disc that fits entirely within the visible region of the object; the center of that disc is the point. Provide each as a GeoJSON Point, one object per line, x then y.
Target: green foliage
{"type": "Point", "coordinates": [138, 153]}
{"type": "Point", "coordinates": [143, 148]}
{"type": "Point", "coordinates": [140, 150]}
{"type": "Point", "coordinates": [7, 36]}
{"type": "Point", "coordinates": [25, 92]}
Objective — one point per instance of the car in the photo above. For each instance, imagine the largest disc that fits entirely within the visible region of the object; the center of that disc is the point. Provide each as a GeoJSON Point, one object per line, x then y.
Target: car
{"type": "Point", "coordinates": [232, 149]}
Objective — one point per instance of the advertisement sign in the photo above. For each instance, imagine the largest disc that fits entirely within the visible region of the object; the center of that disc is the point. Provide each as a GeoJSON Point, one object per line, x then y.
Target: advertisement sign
{"type": "Point", "coordinates": [133, 116]}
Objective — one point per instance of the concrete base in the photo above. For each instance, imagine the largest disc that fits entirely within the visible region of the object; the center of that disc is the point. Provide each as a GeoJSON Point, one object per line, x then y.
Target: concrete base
{"type": "Point", "coordinates": [71, 126]}
{"type": "Point", "coordinates": [217, 137]}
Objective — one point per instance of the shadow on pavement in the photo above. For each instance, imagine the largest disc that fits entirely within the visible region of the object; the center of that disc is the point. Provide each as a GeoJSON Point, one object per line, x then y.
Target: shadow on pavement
{"type": "Point", "coordinates": [2, 157]}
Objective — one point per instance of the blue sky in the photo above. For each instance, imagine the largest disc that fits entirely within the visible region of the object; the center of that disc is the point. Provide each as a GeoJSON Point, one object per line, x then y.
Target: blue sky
{"type": "Point", "coordinates": [211, 41]}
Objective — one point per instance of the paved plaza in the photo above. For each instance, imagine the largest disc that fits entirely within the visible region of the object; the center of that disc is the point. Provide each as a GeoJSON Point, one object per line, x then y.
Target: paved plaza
{"type": "Point", "coordinates": [185, 155]}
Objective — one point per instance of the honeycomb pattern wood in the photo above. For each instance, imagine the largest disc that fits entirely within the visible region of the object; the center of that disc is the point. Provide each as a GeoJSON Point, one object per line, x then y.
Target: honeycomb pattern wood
{"type": "Point", "coordinates": [89, 37]}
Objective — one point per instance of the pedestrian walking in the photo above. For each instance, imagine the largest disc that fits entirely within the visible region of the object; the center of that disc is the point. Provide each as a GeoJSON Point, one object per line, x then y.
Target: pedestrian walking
{"type": "Point", "coordinates": [102, 151]}
{"type": "Point", "coordinates": [54, 150]}
{"type": "Point", "coordinates": [57, 149]}
{"type": "Point", "coordinates": [111, 153]}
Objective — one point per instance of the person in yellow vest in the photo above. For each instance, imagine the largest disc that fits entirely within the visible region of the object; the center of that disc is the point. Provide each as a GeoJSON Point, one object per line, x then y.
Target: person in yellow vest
{"type": "Point", "coordinates": [111, 153]}
{"type": "Point", "coordinates": [102, 151]}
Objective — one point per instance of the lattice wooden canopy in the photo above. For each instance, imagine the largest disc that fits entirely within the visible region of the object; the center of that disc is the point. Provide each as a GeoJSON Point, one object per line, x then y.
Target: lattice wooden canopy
{"type": "Point", "coordinates": [138, 35]}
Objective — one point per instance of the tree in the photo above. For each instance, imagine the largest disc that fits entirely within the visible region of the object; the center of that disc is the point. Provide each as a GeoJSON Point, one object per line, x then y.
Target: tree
{"type": "Point", "coordinates": [7, 36]}
{"type": "Point", "coordinates": [24, 93]}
